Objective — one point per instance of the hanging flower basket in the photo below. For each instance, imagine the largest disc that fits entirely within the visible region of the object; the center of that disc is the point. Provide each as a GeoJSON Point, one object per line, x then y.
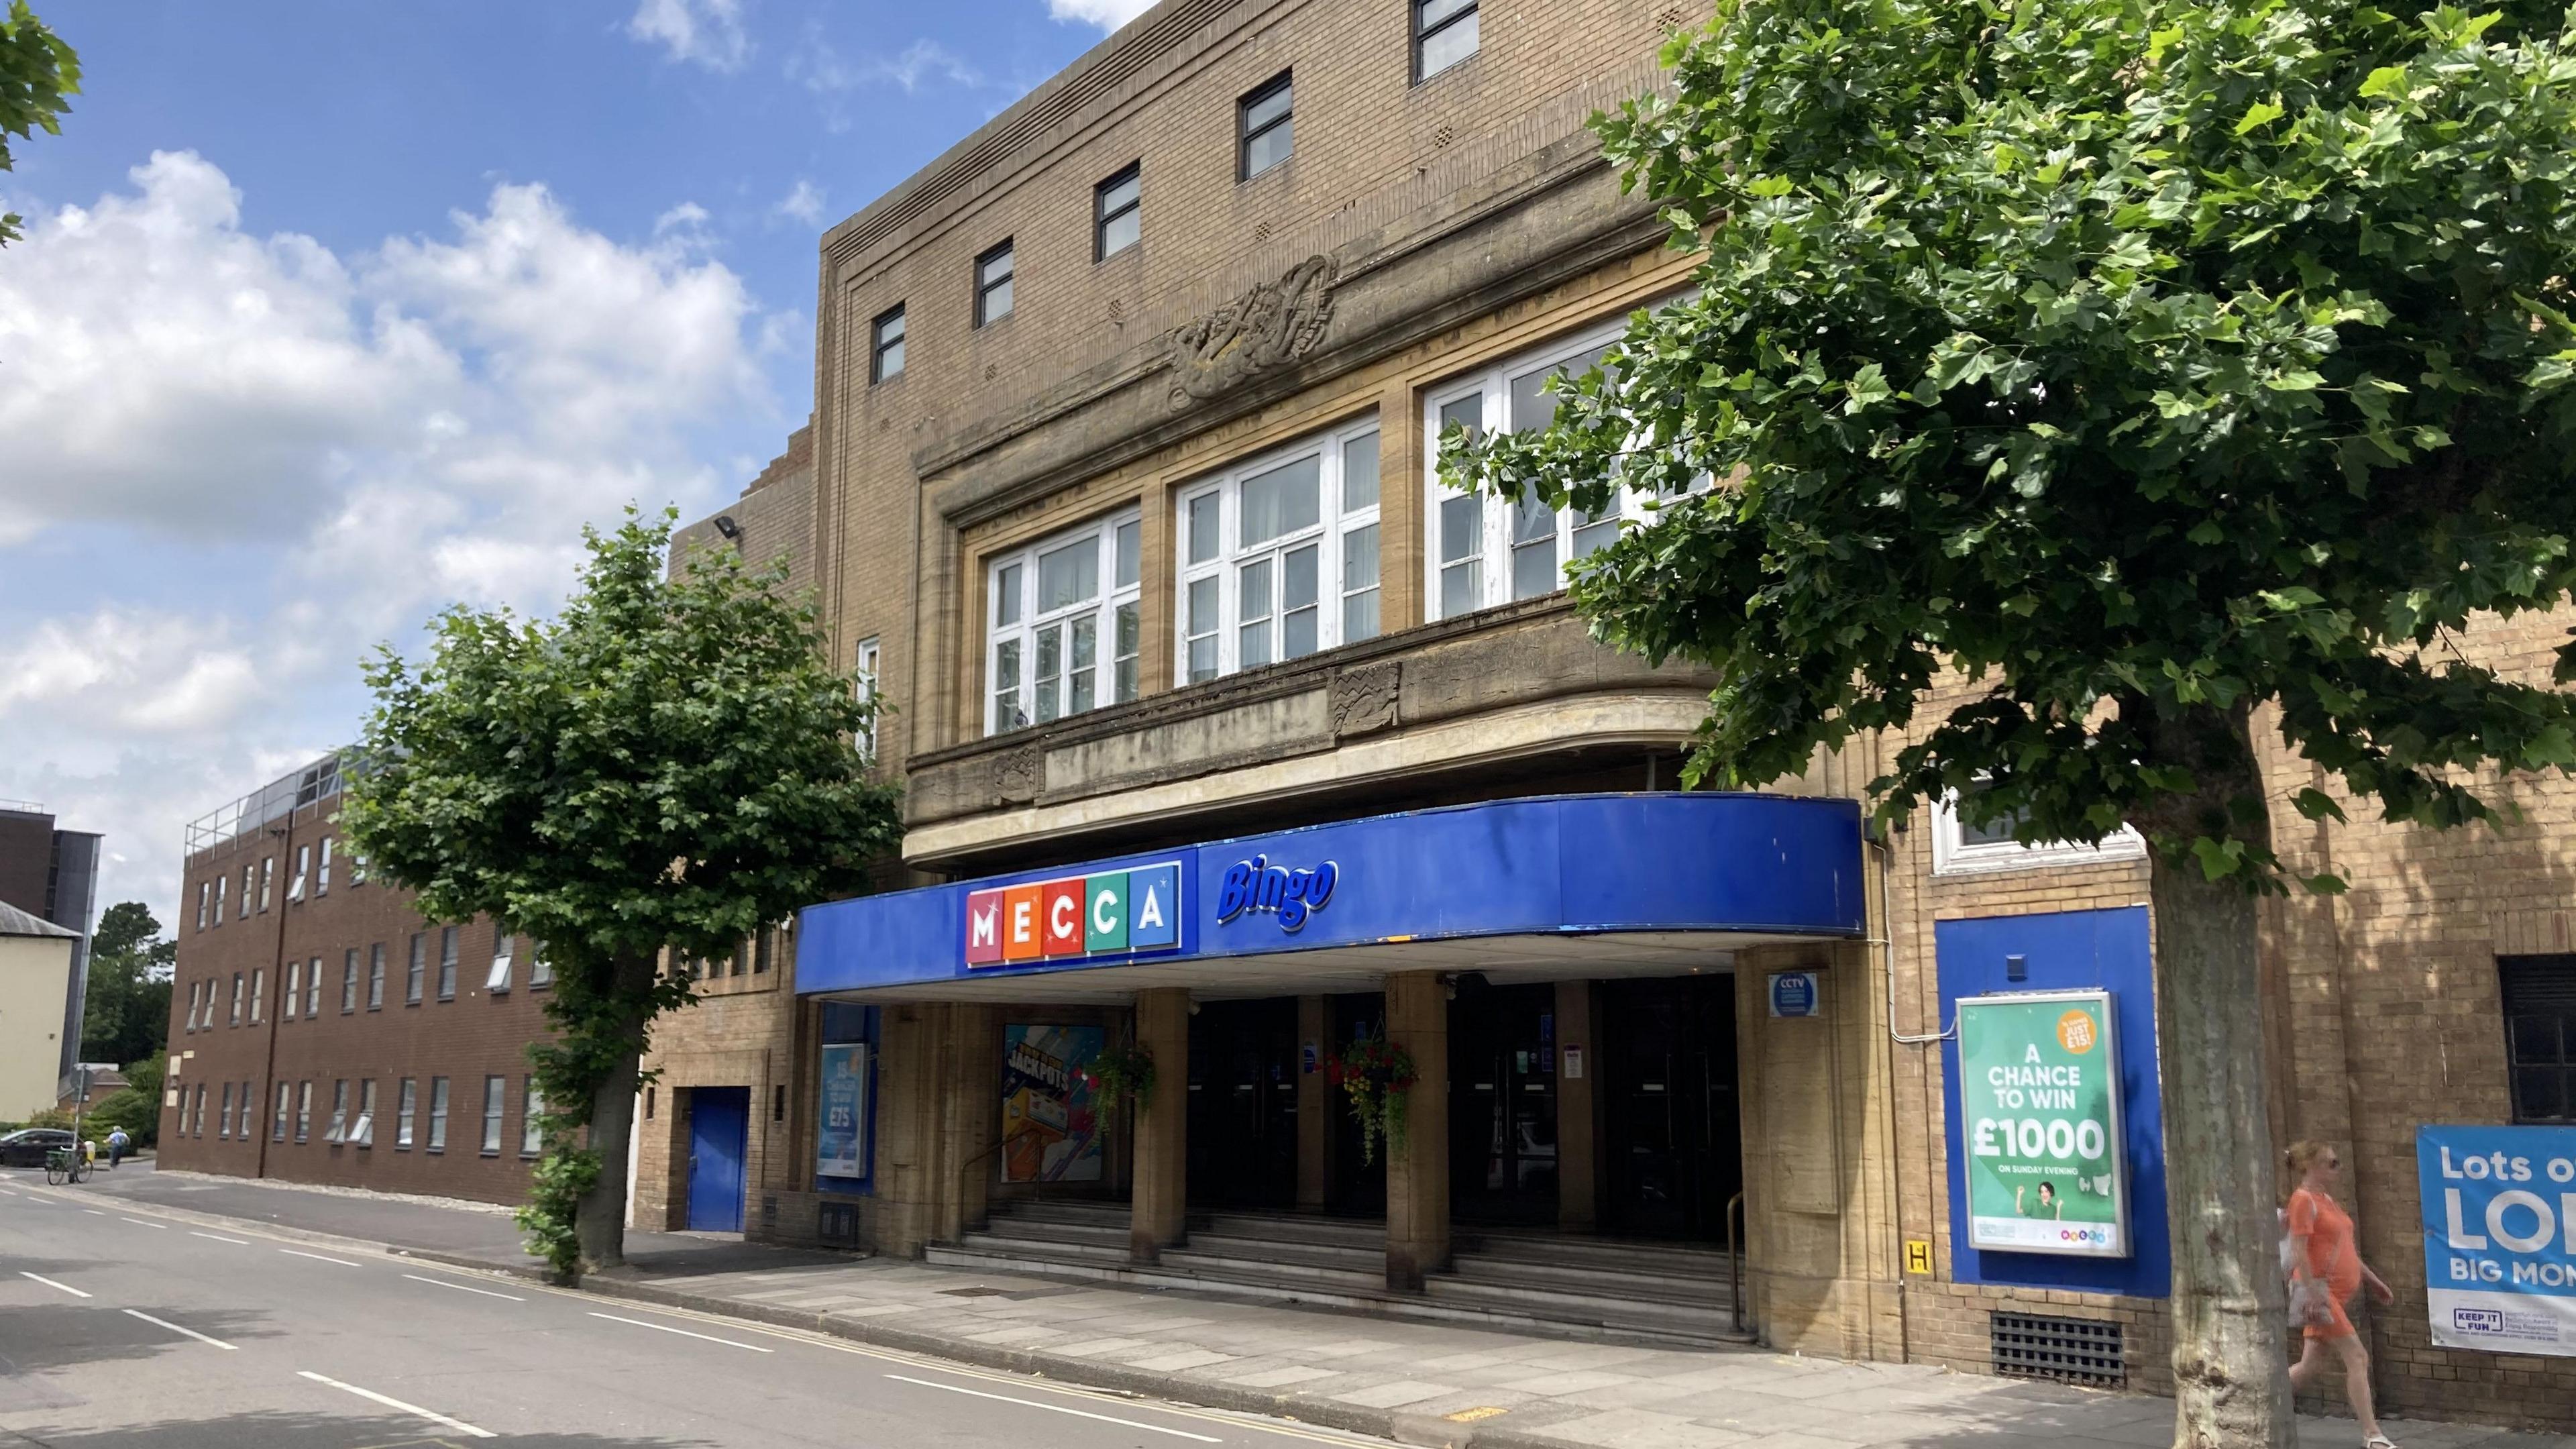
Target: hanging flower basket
{"type": "Point", "coordinates": [1123, 1072]}
{"type": "Point", "coordinates": [1377, 1075]}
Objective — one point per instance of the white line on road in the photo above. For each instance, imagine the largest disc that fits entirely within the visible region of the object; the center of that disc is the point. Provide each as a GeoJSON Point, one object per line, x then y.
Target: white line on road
{"type": "Point", "coordinates": [140, 1223]}
{"type": "Point", "coordinates": [684, 1333]}
{"type": "Point", "coordinates": [317, 1257]}
{"type": "Point", "coordinates": [1058, 1409]}
{"type": "Point", "coordinates": [459, 1425]}
{"type": "Point", "coordinates": [174, 1328]}
{"type": "Point", "coordinates": [93, 1212]}
{"type": "Point", "coordinates": [236, 1242]}
{"type": "Point", "coordinates": [50, 1283]}
{"type": "Point", "coordinates": [461, 1288]}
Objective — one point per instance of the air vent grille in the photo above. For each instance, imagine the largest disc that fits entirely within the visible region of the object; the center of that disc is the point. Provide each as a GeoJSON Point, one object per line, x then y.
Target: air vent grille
{"type": "Point", "coordinates": [836, 1224]}
{"type": "Point", "coordinates": [2066, 1350]}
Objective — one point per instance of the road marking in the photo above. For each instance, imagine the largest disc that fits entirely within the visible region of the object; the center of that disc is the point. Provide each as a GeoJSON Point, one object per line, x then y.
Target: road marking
{"type": "Point", "coordinates": [684, 1333]}
{"type": "Point", "coordinates": [460, 1287]}
{"type": "Point", "coordinates": [140, 1223]}
{"type": "Point", "coordinates": [236, 1242]}
{"type": "Point", "coordinates": [317, 1257]}
{"type": "Point", "coordinates": [50, 1283]}
{"type": "Point", "coordinates": [93, 1212]}
{"type": "Point", "coordinates": [1059, 1409]}
{"type": "Point", "coordinates": [174, 1328]}
{"type": "Point", "coordinates": [459, 1425]}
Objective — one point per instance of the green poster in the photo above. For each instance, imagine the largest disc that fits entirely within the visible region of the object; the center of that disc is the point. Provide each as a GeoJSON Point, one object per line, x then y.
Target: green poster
{"type": "Point", "coordinates": [2039, 1110]}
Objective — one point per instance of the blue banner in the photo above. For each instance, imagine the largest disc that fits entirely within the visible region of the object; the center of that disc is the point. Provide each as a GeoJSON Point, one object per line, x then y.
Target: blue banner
{"type": "Point", "coordinates": [841, 1149]}
{"type": "Point", "coordinates": [2500, 1237]}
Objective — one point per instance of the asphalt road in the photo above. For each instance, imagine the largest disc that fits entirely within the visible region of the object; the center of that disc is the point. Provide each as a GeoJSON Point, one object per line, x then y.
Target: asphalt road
{"type": "Point", "coordinates": [120, 1329]}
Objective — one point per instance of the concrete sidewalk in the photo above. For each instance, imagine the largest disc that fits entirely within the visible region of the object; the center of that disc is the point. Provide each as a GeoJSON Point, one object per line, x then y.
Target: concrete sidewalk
{"type": "Point", "coordinates": [1418, 1383]}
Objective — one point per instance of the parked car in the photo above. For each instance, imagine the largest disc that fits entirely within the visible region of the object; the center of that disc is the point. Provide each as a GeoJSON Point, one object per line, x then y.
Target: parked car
{"type": "Point", "coordinates": [27, 1146]}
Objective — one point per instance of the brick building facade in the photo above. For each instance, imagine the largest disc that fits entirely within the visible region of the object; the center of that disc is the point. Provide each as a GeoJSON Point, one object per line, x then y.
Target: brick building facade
{"type": "Point", "coordinates": [1122, 494]}
{"type": "Point", "coordinates": [321, 1031]}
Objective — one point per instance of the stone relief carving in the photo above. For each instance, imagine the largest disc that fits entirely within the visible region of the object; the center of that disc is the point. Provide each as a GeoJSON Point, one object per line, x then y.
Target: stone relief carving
{"type": "Point", "coordinates": [1364, 698]}
{"type": "Point", "coordinates": [1020, 774]}
{"type": "Point", "coordinates": [1273, 324]}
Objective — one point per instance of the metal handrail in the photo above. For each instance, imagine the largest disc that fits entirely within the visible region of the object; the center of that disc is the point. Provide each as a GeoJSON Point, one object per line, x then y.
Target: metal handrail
{"type": "Point", "coordinates": [1735, 1258]}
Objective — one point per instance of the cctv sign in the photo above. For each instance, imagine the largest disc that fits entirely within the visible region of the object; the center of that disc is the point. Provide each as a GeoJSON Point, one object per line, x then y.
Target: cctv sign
{"type": "Point", "coordinates": [1107, 913]}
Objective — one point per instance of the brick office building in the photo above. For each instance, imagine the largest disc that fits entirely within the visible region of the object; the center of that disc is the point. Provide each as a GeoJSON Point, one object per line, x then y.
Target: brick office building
{"type": "Point", "coordinates": [1121, 493]}
{"type": "Point", "coordinates": [321, 1031]}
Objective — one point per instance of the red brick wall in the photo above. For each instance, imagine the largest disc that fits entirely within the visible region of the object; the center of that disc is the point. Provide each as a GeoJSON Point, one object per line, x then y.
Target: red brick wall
{"type": "Point", "coordinates": [476, 1034]}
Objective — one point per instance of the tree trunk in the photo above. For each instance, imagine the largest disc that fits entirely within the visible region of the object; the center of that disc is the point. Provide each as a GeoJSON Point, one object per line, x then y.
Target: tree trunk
{"type": "Point", "coordinates": [599, 1219]}
{"type": "Point", "coordinates": [2231, 1375]}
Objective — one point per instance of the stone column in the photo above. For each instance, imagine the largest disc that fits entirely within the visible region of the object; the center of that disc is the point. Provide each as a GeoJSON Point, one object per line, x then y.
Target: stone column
{"type": "Point", "coordinates": [1578, 1119]}
{"type": "Point", "coordinates": [1417, 1170]}
{"type": "Point", "coordinates": [1160, 1205]}
{"type": "Point", "coordinates": [1315, 1103]}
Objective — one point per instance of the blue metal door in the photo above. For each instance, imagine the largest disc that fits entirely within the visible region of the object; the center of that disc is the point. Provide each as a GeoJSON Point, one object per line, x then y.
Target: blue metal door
{"type": "Point", "coordinates": [719, 1127]}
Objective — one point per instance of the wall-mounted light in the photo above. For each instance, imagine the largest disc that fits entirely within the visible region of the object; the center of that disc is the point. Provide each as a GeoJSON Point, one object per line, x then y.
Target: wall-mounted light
{"type": "Point", "coordinates": [726, 526]}
{"type": "Point", "coordinates": [2016, 968]}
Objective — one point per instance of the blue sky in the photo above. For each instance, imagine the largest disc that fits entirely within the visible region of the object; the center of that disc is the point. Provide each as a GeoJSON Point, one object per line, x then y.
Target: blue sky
{"type": "Point", "coordinates": [332, 314]}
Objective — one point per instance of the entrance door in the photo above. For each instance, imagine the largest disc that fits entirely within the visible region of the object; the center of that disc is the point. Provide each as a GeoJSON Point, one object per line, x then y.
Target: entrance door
{"type": "Point", "coordinates": [719, 1130]}
{"type": "Point", "coordinates": [1675, 1146]}
{"type": "Point", "coordinates": [1243, 1104]}
{"type": "Point", "coordinates": [1356, 1185]}
{"type": "Point", "coordinates": [1502, 1103]}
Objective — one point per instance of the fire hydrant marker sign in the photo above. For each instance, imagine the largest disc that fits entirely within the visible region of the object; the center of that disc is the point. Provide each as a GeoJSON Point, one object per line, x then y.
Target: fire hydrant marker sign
{"type": "Point", "coordinates": [2500, 1237]}
{"type": "Point", "coordinates": [2039, 1093]}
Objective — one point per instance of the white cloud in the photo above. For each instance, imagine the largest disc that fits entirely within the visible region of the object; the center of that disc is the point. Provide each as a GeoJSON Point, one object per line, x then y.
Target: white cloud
{"type": "Point", "coordinates": [688, 215]}
{"type": "Point", "coordinates": [802, 204]}
{"type": "Point", "coordinates": [311, 452]}
{"type": "Point", "coordinates": [703, 32]}
{"type": "Point", "coordinates": [1107, 14]}
{"type": "Point", "coordinates": [824, 70]}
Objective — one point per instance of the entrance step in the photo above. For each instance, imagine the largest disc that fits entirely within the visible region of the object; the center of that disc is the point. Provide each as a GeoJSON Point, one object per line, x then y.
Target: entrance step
{"type": "Point", "coordinates": [1585, 1288]}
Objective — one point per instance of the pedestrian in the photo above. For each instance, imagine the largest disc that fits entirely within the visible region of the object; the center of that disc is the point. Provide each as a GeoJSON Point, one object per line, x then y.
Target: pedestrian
{"type": "Point", "coordinates": [2325, 1271]}
{"type": "Point", "coordinates": [117, 1146]}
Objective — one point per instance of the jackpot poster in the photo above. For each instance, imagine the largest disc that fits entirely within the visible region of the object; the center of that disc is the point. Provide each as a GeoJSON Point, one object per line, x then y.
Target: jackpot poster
{"type": "Point", "coordinates": [1050, 1116]}
{"type": "Point", "coordinates": [2039, 1093]}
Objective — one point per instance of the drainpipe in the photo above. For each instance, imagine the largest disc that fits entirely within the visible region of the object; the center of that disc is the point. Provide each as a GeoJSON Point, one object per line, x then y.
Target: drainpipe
{"type": "Point", "coordinates": [277, 972]}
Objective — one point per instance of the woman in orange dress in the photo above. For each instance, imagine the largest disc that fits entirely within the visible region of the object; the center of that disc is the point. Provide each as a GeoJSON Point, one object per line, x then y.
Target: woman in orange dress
{"type": "Point", "coordinates": [2326, 1269]}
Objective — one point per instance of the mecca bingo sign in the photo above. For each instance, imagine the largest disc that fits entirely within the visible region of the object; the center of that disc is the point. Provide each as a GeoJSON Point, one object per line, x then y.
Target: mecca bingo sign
{"type": "Point", "coordinates": [1129, 912]}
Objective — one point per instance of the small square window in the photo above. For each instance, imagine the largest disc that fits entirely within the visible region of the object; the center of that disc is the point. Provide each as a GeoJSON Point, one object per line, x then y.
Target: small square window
{"type": "Point", "coordinates": [993, 285]}
{"type": "Point", "coordinates": [1265, 126]}
{"type": "Point", "coordinates": [2540, 1037]}
{"type": "Point", "coordinates": [1444, 33]}
{"type": "Point", "coordinates": [885, 347]}
{"type": "Point", "coordinates": [1118, 212]}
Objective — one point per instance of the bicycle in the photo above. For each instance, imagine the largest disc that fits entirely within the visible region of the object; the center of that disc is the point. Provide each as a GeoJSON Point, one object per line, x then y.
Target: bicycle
{"type": "Point", "coordinates": [65, 1165]}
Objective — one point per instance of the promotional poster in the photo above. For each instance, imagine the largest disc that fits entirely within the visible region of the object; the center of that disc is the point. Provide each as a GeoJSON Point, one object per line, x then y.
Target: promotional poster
{"type": "Point", "coordinates": [2500, 1237]}
{"type": "Point", "coordinates": [841, 1146]}
{"type": "Point", "coordinates": [1050, 1125]}
{"type": "Point", "coordinates": [2039, 1078]}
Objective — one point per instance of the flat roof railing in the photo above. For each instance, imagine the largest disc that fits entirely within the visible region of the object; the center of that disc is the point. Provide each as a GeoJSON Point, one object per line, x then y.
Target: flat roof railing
{"type": "Point", "coordinates": [274, 801]}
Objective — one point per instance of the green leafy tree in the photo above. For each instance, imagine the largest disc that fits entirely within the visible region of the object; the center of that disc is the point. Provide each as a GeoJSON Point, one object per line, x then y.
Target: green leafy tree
{"type": "Point", "coordinates": [666, 766]}
{"type": "Point", "coordinates": [126, 1014]}
{"type": "Point", "coordinates": [37, 70]}
{"type": "Point", "coordinates": [2173, 371]}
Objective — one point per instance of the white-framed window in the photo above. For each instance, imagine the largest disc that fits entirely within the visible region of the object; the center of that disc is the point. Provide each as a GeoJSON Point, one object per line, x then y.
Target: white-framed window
{"type": "Point", "coordinates": [1065, 624]}
{"type": "Point", "coordinates": [339, 1129]}
{"type": "Point", "coordinates": [405, 1105]}
{"type": "Point", "coordinates": [864, 680]}
{"type": "Point", "coordinates": [224, 1124]}
{"type": "Point", "coordinates": [205, 892]}
{"type": "Point", "coordinates": [541, 972]}
{"type": "Point", "coordinates": [1484, 551]}
{"type": "Point", "coordinates": [1279, 556]}
{"type": "Point", "coordinates": [267, 880]}
{"type": "Point", "coordinates": [284, 1092]}
{"type": "Point", "coordinates": [218, 917]}
{"type": "Point", "coordinates": [503, 947]}
{"type": "Point", "coordinates": [447, 963]}
{"type": "Point", "coordinates": [438, 1114]}
{"type": "Point", "coordinates": [313, 988]}
{"type": "Point", "coordinates": [363, 1131]}
{"type": "Point", "coordinates": [495, 1099]}
{"type": "Point", "coordinates": [532, 1119]}
{"type": "Point", "coordinates": [303, 868]}
{"type": "Point", "coordinates": [250, 881]}
{"type": "Point", "coordinates": [1959, 848]}
{"type": "Point", "coordinates": [303, 1110]}
{"type": "Point", "coordinates": [236, 1018]}
{"type": "Point", "coordinates": [258, 992]}
{"type": "Point", "coordinates": [322, 875]}
{"type": "Point", "coordinates": [294, 989]}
